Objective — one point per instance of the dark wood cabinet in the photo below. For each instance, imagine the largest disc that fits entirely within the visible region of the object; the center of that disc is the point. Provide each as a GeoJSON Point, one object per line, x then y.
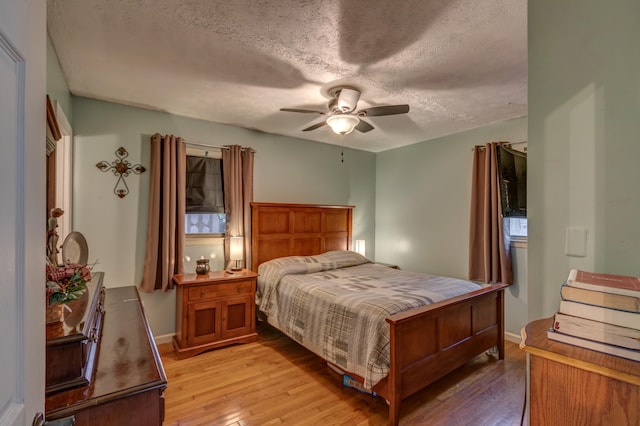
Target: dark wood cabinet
{"type": "Point", "coordinates": [128, 382]}
{"type": "Point", "coordinates": [214, 310]}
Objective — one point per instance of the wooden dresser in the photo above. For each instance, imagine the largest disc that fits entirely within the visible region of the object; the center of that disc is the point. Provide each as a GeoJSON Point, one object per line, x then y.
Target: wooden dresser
{"type": "Point", "coordinates": [570, 385]}
{"type": "Point", "coordinates": [128, 381]}
{"type": "Point", "coordinates": [214, 310]}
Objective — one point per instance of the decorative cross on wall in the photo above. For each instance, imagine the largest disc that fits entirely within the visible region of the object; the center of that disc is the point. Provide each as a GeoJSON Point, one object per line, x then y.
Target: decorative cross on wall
{"type": "Point", "coordinates": [121, 168]}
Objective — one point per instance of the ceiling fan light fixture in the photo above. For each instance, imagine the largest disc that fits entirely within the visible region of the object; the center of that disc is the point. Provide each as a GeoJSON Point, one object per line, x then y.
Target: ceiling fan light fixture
{"type": "Point", "coordinates": [343, 124]}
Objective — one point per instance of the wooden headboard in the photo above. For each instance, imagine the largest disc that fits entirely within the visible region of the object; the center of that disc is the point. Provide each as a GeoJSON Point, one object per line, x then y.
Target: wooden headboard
{"type": "Point", "coordinates": [279, 230]}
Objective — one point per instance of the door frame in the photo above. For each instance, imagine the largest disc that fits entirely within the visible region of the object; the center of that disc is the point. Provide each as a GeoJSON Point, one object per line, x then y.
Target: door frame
{"type": "Point", "coordinates": [22, 213]}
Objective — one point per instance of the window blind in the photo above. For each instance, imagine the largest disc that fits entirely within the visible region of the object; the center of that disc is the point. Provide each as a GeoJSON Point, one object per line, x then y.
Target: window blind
{"type": "Point", "coordinates": [204, 185]}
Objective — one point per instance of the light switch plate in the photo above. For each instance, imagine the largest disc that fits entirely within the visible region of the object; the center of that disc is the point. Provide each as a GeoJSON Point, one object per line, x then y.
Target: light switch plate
{"type": "Point", "coordinates": [576, 242]}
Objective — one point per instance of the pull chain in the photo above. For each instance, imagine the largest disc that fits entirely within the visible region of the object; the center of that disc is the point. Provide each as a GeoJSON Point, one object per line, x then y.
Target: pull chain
{"type": "Point", "coordinates": [342, 148]}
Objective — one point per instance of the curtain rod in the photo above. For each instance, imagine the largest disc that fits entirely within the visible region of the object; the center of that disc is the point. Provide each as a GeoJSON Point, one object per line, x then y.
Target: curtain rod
{"type": "Point", "coordinates": [202, 145]}
{"type": "Point", "coordinates": [509, 143]}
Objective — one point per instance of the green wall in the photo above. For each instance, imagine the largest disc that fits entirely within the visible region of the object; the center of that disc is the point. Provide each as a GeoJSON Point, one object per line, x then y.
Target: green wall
{"type": "Point", "coordinates": [286, 170]}
{"type": "Point", "coordinates": [423, 197]}
{"type": "Point", "coordinates": [584, 122]}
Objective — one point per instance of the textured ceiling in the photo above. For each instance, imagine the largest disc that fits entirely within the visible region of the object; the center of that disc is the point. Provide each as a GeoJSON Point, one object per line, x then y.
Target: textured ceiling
{"type": "Point", "coordinates": [459, 64]}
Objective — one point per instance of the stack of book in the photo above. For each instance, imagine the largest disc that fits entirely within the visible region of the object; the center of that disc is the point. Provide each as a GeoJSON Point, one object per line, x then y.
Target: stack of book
{"type": "Point", "coordinates": [600, 312]}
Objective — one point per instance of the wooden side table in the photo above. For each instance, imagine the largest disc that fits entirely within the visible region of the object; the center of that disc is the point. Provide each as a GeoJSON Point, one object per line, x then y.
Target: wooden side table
{"type": "Point", "coordinates": [388, 265]}
{"type": "Point", "coordinates": [571, 385]}
{"type": "Point", "coordinates": [214, 310]}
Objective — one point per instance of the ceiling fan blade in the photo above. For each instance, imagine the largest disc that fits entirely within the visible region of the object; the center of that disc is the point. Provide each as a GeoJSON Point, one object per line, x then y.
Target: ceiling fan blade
{"type": "Point", "coordinates": [302, 110]}
{"type": "Point", "coordinates": [315, 126]}
{"type": "Point", "coordinates": [384, 110]}
{"type": "Point", "coordinates": [364, 127]}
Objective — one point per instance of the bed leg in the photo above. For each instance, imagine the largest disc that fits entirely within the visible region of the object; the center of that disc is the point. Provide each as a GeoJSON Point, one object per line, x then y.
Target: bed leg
{"type": "Point", "coordinates": [501, 324]}
{"type": "Point", "coordinates": [394, 412]}
{"type": "Point", "coordinates": [395, 372]}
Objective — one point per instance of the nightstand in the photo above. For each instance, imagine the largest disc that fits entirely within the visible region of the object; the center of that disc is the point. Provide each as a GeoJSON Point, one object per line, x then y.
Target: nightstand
{"type": "Point", "coordinates": [214, 310]}
{"type": "Point", "coordinates": [570, 385]}
{"type": "Point", "coordinates": [388, 265]}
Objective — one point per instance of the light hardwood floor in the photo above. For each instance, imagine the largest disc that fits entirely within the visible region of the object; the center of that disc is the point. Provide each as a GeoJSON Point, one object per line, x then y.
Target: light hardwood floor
{"type": "Point", "coordinates": [275, 381]}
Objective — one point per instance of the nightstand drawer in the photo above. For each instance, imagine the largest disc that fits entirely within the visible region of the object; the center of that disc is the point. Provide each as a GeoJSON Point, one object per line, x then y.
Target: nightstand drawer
{"type": "Point", "coordinates": [216, 291]}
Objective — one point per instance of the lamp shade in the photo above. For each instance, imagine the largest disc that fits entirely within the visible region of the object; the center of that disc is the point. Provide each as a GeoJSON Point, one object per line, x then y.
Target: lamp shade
{"type": "Point", "coordinates": [235, 248]}
{"type": "Point", "coordinates": [360, 247]}
{"type": "Point", "coordinates": [343, 124]}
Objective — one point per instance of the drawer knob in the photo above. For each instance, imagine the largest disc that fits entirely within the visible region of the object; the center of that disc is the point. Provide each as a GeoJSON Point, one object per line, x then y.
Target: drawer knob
{"type": "Point", "coordinates": [202, 293]}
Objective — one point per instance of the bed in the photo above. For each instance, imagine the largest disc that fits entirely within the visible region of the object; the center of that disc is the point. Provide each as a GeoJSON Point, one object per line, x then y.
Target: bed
{"type": "Point", "coordinates": [420, 343]}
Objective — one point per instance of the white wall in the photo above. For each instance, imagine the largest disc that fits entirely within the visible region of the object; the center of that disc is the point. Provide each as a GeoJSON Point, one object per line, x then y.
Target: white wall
{"type": "Point", "coordinates": [286, 170]}
{"type": "Point", "coordinates": [584, 122]}
{"type": "Point", "coordinates": [423, 196]}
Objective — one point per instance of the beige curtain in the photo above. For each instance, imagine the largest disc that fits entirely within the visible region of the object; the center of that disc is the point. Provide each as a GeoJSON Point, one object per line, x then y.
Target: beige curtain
{"type": "Point", "coordinates": [489, 245]}
{"type": "Point", "coordinates": [165, 230]}
{"type": "Point", "coordinates": [237, 174]}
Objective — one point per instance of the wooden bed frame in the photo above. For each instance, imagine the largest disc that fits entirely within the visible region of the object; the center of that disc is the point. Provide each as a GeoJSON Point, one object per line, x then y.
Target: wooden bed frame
{"type": "Point", "coordinates": [426, 343]}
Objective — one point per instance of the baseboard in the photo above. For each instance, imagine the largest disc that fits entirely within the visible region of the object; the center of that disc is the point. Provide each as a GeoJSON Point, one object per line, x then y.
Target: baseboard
{"type": "Point", "coordinates": [515, 338]}
{"type": "Point", "coordinates": [165, 338]}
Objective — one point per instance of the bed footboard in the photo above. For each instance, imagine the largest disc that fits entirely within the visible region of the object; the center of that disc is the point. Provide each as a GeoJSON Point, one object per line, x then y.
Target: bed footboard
{"type": "Point", "coordinates": [429, 342]}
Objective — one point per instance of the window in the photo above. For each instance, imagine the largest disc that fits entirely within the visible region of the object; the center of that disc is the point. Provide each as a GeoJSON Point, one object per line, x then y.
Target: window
{"type": "Point", "coordinates": [517, 227]}
{"type": "Point", "coordinates": [512, 177]}
{"type": "Point", "coordinates": [205, 213]}
{"type": "Point", "coordinates": [512, 174]}
{"type": "Point", "coordinates": [204, 223]}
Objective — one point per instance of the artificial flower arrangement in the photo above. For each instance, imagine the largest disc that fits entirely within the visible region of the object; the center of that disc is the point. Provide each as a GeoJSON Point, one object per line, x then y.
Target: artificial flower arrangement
{"type": "Point", "coordinates": [67, 282]}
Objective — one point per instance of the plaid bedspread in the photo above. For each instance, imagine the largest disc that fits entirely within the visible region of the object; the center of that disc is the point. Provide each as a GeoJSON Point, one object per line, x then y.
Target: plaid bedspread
{"type": "Point", "coordinates": [335, 304]}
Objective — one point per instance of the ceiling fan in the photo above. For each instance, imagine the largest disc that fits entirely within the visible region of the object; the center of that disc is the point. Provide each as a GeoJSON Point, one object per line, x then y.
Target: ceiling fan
{"type": "Point", "coordinates": [342, 116]}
